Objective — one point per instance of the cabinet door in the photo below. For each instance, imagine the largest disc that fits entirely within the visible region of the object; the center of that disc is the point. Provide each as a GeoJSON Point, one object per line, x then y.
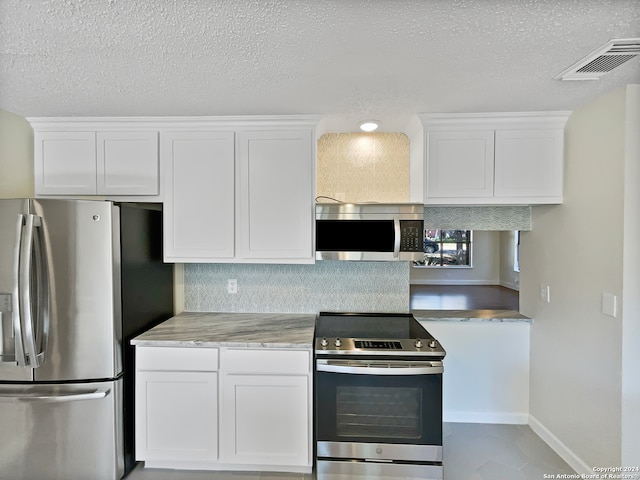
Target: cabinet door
{"type": "Point", "coordinates": [199, 208]}
{"type": "Point", "coordinates": [529, 163]}
{"type": "Point", "coordinates": [277, 195]}
{"type": "Point", "coordinates": [127, 163]}
{"type": "Point", "coordinates": [265, 420]}
{"type": "Point", "coordinates": [65, 163]}
{"type": "Point", "coordinates": [460, 164]}
{"type": "Point", "coordinates": [176, 416]}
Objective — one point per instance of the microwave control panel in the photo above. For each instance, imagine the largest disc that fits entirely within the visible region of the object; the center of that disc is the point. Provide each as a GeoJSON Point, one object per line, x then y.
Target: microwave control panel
{"type": "Point", "coordinates": [411, 236]}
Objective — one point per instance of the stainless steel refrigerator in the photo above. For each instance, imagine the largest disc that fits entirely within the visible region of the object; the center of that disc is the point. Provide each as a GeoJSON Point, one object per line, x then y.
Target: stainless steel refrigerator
{"type": "Point", "coordinates": [78, 280]}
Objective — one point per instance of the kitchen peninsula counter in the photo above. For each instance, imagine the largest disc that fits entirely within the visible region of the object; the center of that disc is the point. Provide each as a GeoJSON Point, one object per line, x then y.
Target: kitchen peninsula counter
{"type": "Point", "coordinates": [495, 316]}
{"type": "Point", "coordinates": [250, 330]}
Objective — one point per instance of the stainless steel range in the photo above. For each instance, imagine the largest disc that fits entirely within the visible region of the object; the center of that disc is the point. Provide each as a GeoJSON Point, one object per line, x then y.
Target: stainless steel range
{"type": "Point", "coordinates": [378, 397]}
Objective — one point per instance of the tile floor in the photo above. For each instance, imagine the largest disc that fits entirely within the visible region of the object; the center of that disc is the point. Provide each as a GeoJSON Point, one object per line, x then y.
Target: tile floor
{"type": "Point", "coordinates": [472, 451]}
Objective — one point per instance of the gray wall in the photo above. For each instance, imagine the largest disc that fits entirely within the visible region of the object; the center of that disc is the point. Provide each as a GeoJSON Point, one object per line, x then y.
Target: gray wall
{"type": "Point", "coordinates": [576, 351]}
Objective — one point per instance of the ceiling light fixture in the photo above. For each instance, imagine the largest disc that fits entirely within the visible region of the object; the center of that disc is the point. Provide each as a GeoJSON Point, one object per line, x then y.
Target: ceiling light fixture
{"type": "Point", "coordinates": [369, 125]}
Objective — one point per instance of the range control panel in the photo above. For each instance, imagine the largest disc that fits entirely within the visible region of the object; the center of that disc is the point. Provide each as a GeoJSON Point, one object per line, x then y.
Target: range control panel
{"type": "Point", "coordinates": [411, 236]}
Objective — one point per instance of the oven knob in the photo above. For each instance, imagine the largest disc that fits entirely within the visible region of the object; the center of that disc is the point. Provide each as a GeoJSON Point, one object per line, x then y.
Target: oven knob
{"type": "Point", "coordinates": [324, 342]}
{"type": "Point", "coordinates": [433, 344]}
{"type": "Point", "coordinates": [418, 343]}
{"type": "Point", "coordinates": [338, 342]}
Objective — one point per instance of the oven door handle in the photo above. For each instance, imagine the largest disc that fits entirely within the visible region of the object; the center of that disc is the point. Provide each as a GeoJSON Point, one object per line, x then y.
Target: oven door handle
{"type": "Point", "coordinates": [427, 368]}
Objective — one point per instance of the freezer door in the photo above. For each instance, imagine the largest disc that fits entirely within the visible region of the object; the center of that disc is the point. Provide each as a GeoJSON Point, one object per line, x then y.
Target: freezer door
{"type": "Point", "coordinates": [70, 431]}
{"type": "Point", "coordinates": [83, 255]}
{"type": "Point", "coordinates": [12, 213]}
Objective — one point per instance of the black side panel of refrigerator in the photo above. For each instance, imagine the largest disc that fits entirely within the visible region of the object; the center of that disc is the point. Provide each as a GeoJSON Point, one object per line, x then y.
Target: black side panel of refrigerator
{"type": "Point", "coordinates": [147, 297]}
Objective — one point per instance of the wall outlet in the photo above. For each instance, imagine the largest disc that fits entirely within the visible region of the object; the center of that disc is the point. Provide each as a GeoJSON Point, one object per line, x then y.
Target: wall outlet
{"type": "Point", "coordinates": [232, 286]}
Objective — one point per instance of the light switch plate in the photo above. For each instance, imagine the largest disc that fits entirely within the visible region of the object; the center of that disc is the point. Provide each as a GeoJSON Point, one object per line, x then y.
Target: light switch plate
{"type": "Point", "coordinates": [545, 293]}
{"type": "Point", "coordinates": [609, 304]}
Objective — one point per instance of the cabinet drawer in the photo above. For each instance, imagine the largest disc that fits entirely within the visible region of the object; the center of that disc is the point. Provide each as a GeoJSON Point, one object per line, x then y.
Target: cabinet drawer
{"type": "Point", "coordinates": [266, 361]}
{"type": "Point", "coordinates": [177, 358]}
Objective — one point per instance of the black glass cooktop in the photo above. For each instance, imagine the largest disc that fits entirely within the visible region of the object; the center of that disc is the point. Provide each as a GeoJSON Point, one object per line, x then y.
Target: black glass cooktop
{"type": "Point", "coordinates": [388, 326]}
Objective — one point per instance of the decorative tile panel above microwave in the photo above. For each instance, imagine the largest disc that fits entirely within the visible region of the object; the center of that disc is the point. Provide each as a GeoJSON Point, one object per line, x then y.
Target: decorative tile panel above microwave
{"type": "Point", "coordinates": [364, 167]}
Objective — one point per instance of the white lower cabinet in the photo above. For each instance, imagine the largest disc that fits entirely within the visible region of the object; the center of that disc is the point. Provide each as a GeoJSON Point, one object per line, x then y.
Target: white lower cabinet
{"type": "Point", "coordinates": [264, 420]}
{"type": "Point", "coordinates": [176, 405]}
{"type": "Point", "coordinates": [177, 418]}
{"type": "Point", "coordinates": [251, 413]}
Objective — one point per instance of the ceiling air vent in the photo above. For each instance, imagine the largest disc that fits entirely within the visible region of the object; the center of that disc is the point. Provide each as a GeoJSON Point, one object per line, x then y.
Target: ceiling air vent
{"type": "Point", "coordinates": [600, 62]}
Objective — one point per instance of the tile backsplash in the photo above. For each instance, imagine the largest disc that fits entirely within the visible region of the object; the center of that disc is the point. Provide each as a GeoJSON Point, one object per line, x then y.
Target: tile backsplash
{"type": "Point", "coordinates": [331, 285]}
{"type": "Point", "coordinates": [364, 167]}
{"type": "Point", "coordinates": [494, 218]}
{"type": "Point", "coordinates": [325, 286]}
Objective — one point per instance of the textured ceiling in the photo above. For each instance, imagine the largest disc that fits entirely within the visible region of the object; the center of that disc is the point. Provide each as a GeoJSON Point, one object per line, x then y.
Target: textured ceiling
{"type": "Point", "coordinates": [352, 59]}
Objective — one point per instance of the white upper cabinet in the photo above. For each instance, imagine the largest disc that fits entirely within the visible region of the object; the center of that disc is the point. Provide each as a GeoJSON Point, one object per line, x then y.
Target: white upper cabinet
{"type": "Point", "coordinates": [276, 195]}
{"type": "Point", "coordinates": [529, 163]}
{"type": "Point", "coordinates": [494, 159]}
{"type": "Point", "coordinates": [65, 163]}
{"type": "Point", "coordinates": [234, 189]}
{"type": "Point", "coordinates": [127, 163]}
{"type": "Point", "coordinates": [239, 190]}
{"type": "Point", "coordinates": [199, 218]}
{"type": "Point", "coordinates": [460, 164]}
{"type": "Point", "coordinates": [87, 157]}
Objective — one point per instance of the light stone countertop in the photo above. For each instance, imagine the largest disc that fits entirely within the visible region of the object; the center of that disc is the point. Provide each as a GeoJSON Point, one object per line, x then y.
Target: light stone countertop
{"type": "Point", "coordinates": [252, 330]}
{"type": "Point", "coordinates": [494, 316]}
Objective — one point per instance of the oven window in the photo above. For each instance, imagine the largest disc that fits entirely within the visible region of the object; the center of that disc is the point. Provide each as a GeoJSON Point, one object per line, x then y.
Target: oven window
{"type": "Point", "coordinates": [378, 412]}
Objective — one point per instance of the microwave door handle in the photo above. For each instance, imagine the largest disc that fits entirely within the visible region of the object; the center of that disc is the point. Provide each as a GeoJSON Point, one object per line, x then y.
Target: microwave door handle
{"type": "Point", "coordinates": [397, 234]}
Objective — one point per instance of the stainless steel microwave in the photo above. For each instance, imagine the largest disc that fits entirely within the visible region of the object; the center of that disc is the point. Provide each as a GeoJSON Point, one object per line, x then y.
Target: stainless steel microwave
{"type": "Point", "coordinates": [370, 231]}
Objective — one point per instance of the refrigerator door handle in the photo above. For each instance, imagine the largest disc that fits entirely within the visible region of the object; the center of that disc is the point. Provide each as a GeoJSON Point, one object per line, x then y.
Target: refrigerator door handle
{"type": "Point", "coordinates": [45, 397]}
{"type": "Point", "coordinates": [32, 327]}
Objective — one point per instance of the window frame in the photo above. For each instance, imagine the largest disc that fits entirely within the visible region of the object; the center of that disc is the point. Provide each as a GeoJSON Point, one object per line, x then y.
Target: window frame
{"type": "Point", "coordinates": [441, 243]}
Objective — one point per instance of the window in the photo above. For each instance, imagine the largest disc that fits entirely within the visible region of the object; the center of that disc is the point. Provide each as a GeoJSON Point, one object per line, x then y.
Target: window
{"type": "Point", "coordinates": [446, 248]}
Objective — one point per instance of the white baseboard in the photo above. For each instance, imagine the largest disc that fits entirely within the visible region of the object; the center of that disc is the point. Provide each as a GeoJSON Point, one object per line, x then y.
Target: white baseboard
{"type": "Point", "coordinates": [443, 281]}
{"type": "Point", "coordinates": [513, 418]}
{"type": "Point", "coordinates": [512, 286]}
{"type": "Point", "coordinates": [560, 448]}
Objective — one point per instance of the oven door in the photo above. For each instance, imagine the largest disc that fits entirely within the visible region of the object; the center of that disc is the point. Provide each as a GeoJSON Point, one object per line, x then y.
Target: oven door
{"type": "Point", "coordinates": [379, 410]}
